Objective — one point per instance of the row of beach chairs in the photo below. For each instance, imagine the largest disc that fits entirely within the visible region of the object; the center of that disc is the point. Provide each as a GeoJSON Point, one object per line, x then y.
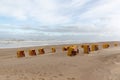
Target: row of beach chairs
{"type": "Point", "coordinates": [71, 50]}
{"type": "Point", "coordinates": [21, 53]}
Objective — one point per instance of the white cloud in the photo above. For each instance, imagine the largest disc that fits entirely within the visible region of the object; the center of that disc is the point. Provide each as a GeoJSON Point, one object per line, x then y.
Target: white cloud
{"type": "Point", "coordinates": [105, 15]}
{"type": "Point", "coordinates": [44, 11]}
{"type": "Point", "coordinates": [103, 9]}
{"type": "Point", "coordinates": [67, 17]}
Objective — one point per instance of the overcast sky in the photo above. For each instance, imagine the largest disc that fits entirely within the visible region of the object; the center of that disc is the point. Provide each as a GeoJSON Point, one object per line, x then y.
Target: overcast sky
{"type": "Point", "coordinates": [87, 20]}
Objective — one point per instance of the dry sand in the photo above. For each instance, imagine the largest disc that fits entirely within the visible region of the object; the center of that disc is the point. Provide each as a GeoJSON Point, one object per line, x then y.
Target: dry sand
{"type": "Point", "coordinates": [99, 65]}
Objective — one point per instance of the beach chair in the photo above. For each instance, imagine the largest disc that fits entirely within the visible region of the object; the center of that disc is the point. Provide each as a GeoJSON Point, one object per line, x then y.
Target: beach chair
{"type": "Point", "coordinates": [72, 51]}
{"type": "Point", "coordinates": [65, 48]}
{"type": "Point", "coordinates": [115, 45]}
{"type": "Point", "coordinates": [53, 50]}
{"type": "Point", "coordinates": [105, 46]}
{"type": "Point", "coordinates": [32, 53]}
{"type": "Point", "coordinates": [94, 47]}
{"type": "Point", "coordinates": [41, 51]}
{"type": "Point", "coordinates": [86, 48]}
{"type": "Point", "coordinates": [20, 54]}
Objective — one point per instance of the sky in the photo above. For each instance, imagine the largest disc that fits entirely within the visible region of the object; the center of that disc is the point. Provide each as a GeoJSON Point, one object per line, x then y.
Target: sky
{"type": "Point", "coordinates": [84, 20]}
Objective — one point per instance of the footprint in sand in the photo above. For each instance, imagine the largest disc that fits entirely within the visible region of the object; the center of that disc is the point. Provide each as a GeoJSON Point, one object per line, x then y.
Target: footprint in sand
{"type": "Point", "coordinates": [7, 77]}
{"type": "Point", "coordinates": [55, 76]}
{"type": "Point", "coordinates": [71, 78]}
{"type": "Point", "coordinates": [41, 79]}
{"type": "Point", "coordinates": [60, 74]}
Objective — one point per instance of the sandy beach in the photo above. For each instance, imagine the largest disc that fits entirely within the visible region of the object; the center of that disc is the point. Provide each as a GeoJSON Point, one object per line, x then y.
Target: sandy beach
{"type": "Point", "coordinates": [103, 64]}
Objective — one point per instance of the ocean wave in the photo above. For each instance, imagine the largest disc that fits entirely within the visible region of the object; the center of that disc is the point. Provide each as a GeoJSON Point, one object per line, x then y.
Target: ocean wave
{"type": "Point", "coordinates": [17, 44]}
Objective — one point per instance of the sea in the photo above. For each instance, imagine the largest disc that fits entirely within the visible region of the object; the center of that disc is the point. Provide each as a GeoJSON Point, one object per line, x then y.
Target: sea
{"type": "Point", "coordinates": [18, 44]}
